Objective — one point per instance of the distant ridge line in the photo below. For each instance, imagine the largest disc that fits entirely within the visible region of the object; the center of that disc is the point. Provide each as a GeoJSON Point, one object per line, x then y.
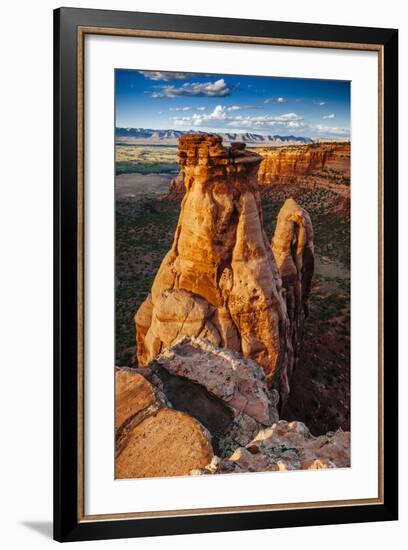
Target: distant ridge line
{"type": "Point", "coordinates": [149, 136]}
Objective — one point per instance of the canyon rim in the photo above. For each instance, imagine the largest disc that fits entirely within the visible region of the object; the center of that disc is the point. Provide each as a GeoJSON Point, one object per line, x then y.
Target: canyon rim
{"type": "Point", "coordinates": [232, 274]}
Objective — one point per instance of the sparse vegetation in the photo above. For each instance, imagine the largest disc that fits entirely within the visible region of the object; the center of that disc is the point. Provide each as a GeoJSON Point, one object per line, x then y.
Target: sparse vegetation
{"type": "Point", "coordinates": [142, 159]}
{"type": "Point", "coordinates": [144, 233]}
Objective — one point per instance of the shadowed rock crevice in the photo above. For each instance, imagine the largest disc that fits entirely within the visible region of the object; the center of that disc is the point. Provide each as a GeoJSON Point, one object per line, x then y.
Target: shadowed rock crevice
{"type": "Point", "coordinates": [225, 392]}
{"type": "Point", "coordinates": [193, 399]}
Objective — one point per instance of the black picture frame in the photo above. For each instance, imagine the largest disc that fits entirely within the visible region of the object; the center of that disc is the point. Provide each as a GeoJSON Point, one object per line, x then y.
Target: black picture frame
{"type": "Point", "coordinates": [68, 526]}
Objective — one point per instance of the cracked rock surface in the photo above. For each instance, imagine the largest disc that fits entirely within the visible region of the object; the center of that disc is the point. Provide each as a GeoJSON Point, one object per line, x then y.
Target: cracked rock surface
{"type": "Point", "coordinates": [153, 439]}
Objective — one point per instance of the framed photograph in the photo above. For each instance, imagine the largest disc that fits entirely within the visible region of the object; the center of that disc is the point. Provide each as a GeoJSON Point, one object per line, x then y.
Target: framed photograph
{"type": "Point", "coordinates": [225, 274]}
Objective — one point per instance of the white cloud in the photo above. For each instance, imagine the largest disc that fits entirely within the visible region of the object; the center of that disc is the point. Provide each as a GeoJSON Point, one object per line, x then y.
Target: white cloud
{"type": "Point", "coordinates": [321, 103]}
{"type": "Point", "coordinates": [219, 88]}
{"type": "Point", "coordinates": [167, 76]}
{"type": "Point", "coordinates": [180, 108]}
{"type": "Point", "coordinates": [276, 100]}
{"type": "Point", "coordinates": [218, 113]}
{"type": "Point", "coordinates": [332, 115]}
{"type": "Point", "coordinates": [242, 107]}
{"type": "Point", "coordinates": [288, 116]}
{"type": "Point", "coordinates": [221, 117]}
{"type": "Point", "coordinates": [201, 108]}
{"type": "Point", "coordinates": [331, 130]}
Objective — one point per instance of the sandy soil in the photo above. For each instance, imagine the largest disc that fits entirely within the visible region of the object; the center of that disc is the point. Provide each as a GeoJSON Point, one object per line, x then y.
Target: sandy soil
{"type": "Point", "coordinates": [141, 185]}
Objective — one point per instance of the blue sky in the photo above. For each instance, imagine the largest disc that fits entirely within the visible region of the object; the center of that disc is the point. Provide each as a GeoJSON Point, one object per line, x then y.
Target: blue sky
{"type": "Point", "coordinates": [232, 103]}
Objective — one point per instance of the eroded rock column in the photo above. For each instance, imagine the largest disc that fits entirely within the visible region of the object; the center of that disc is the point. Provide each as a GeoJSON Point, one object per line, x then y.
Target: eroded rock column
{"type": "Point", "coordinates": [220, 281]}
{"type": "Point", "coordinates": [293, 250]}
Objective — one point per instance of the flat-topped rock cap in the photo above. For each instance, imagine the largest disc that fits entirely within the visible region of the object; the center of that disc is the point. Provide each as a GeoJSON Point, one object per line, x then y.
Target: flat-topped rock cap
{"type": "Point", "coordinates": [196, 149]}
{"type": "Point", "coordinates": [193, 147]}
{"type": "Point", "coordinates": [188, 139]}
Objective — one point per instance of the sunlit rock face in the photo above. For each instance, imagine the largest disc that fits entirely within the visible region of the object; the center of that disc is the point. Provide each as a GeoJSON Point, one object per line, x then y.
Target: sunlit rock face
{"type": "Point", "coordinates": [153, 439]}
{"type": "Point", "coordinates": [325, 165]}
{"type": "Point", "coordinates": [320, 165]}
{"type": "Point", "coordinates": [220, 281]}
{"type": "Point", "coordinates": [288, 446]}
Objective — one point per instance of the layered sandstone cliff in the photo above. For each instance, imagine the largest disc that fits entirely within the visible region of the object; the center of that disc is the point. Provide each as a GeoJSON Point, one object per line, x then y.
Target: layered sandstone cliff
{"type": "Point", "coordinates": [320, 165]}
{"type": "Point", "coordinates": [220, 281]}
{"type": "Point", "coordinates": [324, 165]}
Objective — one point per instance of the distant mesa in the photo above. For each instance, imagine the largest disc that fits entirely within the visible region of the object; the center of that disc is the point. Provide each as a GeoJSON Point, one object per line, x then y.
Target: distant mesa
{"type": "Point", "coordinates": [324, 165]}
{"type": "Point", "coordinates": [317, 165]}
{"type": "Point", "coordinates": [222, 280]}
{"type": "Point", "coordinates": [145, 136]}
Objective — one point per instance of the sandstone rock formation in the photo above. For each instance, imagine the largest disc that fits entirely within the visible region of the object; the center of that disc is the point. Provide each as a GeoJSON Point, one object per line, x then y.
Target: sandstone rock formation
{"type": "Point", "coordinates": [293, 250]}
{"type": "Point", "coordinates": [177, 187]}
{"type": "Point", "coordinates": [133, 395]}
{"type": "Point", "coordinates": [324, 165]}
{"type": "Point", "coordinates": [320, 165]}
{"type": "Point", "coordinates": [286, 446]}
{"type": "Point", "coordinates": [199, 409]}
{"type": "Point", "coordinates": [220, 281]}
{"type": "Point", "coordinates": [227, 393]}
{"type": "Point", "coordinates": [153, 440]}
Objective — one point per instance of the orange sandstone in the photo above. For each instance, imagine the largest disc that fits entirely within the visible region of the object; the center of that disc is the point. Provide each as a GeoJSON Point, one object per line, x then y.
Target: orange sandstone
{"type": "Point", "coordinates": [220, 281]}
{"type": "Point", "coordinates": [153, 440]}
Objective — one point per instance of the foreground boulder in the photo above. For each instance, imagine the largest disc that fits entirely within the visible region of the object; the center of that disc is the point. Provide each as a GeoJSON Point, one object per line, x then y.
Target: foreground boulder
{"type": "Point", "coordinates": [227, 393]}
{"type": "Point", "coordinates": [220, 281]}
{"type": "Point", "coordinates": [199, 409]}
{"type": "Point", "coordinates": [133, 395]}
{"type": "Point", "coordinates": [153, 440]}
{"type": "Point", "coordinates": [169, 443]}
{"type": "Point", "coordinates": [286, 446]}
